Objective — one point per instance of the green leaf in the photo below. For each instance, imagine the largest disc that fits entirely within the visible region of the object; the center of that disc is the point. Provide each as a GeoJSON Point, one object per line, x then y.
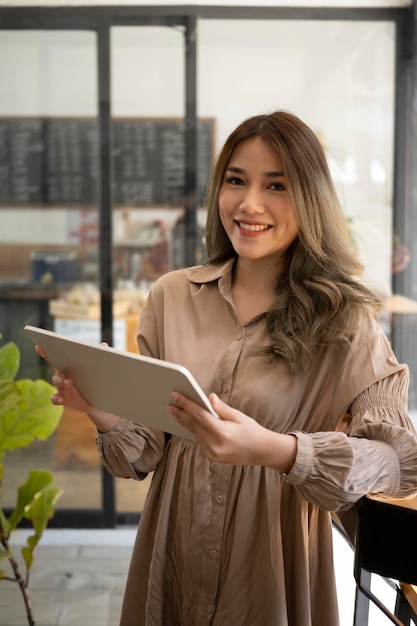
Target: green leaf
{"type": "Point", "coordinates": [39, 511]}
{"type": "Point", "coordinates": [9, 361]}
{"type": "Point", "coordinates": [5, 554]}
{"type": "Point", "coordinates": [4, 525]}
{"type": "Point", "coordinates": [34, 417]}
{"type": "Point", "coordinates": [26, 413]}
{"type": "Point", "coordinates": [27, 551]}
{"type": "Point", "coordinates": [27, 555]}
{"type": "Point", "coordinates": [37, 481]}
{"type": "Point", "coordinates": [10, 395]}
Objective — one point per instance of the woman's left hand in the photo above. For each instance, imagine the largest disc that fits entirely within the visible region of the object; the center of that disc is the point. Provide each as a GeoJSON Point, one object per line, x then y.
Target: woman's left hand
{"type": "Point", "coordinates": [235, 438]}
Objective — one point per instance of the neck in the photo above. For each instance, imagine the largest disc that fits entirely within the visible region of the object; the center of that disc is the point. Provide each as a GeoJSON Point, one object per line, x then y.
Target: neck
{"type": "Point", "coordinates": [253, 288]}
{"type": "Point", "coordinates": [258, 276]}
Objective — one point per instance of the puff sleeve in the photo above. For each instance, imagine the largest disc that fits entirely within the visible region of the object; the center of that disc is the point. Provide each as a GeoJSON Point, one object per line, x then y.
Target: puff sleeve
{"type": "Point", "coordinates": [375, 452]}
{"type": "Point", "coordinates": [130, 450]}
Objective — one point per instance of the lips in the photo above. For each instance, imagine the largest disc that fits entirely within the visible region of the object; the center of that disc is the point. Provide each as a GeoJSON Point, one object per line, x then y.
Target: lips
{"type": "Point", "coordinates": [254, 228]}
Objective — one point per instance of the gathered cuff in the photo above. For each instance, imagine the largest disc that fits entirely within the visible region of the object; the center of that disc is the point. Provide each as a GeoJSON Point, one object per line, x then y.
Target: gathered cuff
{"type": "Point", "coordinates": [333, 470]}
{"type": "Point", "coordinates": [114, 433]}
{"type": "Point", "coordinates": [130, 450]}
{"type": "Point", "coordinates": [304, 459]}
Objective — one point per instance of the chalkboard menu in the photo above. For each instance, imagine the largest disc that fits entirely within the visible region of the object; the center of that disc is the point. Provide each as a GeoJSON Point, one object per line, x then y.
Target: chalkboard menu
{"type": "Point", "coordinates": [54, 161]}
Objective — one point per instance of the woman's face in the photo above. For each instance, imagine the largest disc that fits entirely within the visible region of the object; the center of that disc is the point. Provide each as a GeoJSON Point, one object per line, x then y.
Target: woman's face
{"type": "Point", "coordinates": [254, 206]}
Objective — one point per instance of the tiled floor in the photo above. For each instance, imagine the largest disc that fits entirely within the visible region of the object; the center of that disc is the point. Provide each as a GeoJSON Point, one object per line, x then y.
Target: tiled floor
{"type": "Point", "coordinates": [78, 578]}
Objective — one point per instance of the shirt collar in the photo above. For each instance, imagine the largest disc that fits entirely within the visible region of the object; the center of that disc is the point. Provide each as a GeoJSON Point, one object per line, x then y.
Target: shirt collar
{"type": "Point", "coordinates": [210, 272]}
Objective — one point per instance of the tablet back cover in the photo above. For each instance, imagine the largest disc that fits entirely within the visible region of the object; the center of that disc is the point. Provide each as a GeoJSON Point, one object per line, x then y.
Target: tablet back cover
{"type": "Point", "coordinates": [129, 385]}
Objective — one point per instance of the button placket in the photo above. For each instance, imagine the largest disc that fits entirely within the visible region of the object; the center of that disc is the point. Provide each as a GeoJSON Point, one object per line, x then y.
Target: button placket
{"type": "Point", "coordinates": [230, 360]}
{"type": "Point", "coordinates": [213, 537]}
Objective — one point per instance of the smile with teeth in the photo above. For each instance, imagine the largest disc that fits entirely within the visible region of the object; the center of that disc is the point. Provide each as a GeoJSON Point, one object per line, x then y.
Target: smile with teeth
{"type": "Point", "coordinates": [253, 227]}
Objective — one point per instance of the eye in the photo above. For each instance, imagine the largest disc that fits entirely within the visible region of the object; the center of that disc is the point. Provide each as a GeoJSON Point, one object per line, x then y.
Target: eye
{"type": "Point", "coordinates": [277, 186]}
{"type": "Point", "coordinates": [234, 180]}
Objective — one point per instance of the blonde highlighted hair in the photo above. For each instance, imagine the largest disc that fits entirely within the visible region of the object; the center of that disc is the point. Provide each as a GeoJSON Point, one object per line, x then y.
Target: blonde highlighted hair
{"type": "Point", "coordinates": [319, 294]}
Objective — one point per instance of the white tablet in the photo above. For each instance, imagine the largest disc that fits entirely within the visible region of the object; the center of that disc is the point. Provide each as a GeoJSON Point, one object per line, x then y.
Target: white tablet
{"type": "Point", "coordinates": [126, 384]}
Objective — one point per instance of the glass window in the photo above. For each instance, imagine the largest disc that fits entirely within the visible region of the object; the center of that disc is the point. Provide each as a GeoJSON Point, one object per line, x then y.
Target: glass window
{"type": "Point", "coordinates": [148, 107]}
{"type": "Point", "coordinates": [344, 93]}
{"type": "Point", "coordinates": [48, 175]}
{"type": "Point", "coordinates": [49, 233]}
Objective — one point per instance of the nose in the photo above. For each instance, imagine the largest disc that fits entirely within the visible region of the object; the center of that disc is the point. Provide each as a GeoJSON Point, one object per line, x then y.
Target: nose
{"type": "Point", "coordinates": [252, 202]}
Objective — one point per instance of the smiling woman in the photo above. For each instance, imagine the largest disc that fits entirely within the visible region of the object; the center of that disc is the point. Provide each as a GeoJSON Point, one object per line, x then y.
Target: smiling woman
{"type": "Point", "coordinates": [255, 209]}
{"type": "Point", "coordinates": [257, 216]}
{"type": "Point", "coordinates": [272, 205]}
{"type": "Point", "coordinates": [285, 341]}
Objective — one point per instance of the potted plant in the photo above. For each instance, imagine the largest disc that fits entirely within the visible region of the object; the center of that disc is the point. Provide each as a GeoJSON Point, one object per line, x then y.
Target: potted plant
{"type": "Point", "coordinates": [26, 414]}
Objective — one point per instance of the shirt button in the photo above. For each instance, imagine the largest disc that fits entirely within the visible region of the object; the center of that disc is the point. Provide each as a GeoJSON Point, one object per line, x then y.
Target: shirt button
{"type": "Point", "coordinates": [219, 499]}
{"type": "Point", "coordinates": [239, 336]}
{"type": "Point", "coordinates": [210, 608]}
{"type": "Point", "coordinates": [213, 554]}
{"type": "Point", "coordinates": [225, 387]}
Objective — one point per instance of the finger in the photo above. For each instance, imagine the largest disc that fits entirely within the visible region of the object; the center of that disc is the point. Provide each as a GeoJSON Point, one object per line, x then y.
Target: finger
{"type": "Point", "coordinates": [194, 417]}
{"type": "Point", "coordinates": [60, 382]}
{"type": "Point", "coordinates": [41, 353]}
{"type": "Point", "coordinates": [181, 417]}
{"type": "Point", "coordinates": [188, 406]}
{"type": "Point", "coordinates": [223, 410]}
{"type": "Point", "coordinates": [57, 399]}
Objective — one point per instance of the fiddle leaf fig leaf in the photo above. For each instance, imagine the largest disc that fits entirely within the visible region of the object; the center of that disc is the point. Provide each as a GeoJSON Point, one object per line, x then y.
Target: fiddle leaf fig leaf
{"type": "Point", "coordinates": [9, 361]}
{"type": "Point", "coordinates": [4, 525]}
{"type": "Point", "coordinates": [36, 482]}
{"type": "Point", "coordinates": [39, 511]}
{"type": "Point", "coordinates": [10, 395]}
{"type": "Point", "coordinates": [5, 554]}
{"type": "Point", "coordinates": [27, 554]}
{"type": "Point", "coordinates": [34, 417]}
{"type": "Point", "coordinates": [26, 414]}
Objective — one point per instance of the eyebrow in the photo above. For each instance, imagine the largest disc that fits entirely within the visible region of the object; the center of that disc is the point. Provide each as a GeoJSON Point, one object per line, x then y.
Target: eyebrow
{"type": "Point", "coordinates": [239, 170]}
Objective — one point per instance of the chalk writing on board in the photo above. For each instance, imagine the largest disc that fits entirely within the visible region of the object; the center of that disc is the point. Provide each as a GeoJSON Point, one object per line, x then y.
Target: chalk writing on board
{"type": "Point", "coordinates": [54, 161]}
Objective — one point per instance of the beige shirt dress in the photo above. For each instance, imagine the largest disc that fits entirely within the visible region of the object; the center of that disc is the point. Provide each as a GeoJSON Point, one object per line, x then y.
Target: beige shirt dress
{"type": "Point", "coordinates": [225, 545]}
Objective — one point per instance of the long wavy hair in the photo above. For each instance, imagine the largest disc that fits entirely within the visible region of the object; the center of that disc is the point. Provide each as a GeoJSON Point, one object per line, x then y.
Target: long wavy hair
{"type": "Point", "coordinates": [319, 295]}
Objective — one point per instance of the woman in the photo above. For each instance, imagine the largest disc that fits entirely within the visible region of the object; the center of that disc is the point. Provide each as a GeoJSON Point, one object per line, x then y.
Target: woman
{"type": "Point", "coordinates": [236, 529]}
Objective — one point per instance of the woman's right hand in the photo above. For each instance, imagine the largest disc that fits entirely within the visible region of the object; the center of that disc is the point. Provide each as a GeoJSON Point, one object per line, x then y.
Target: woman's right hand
{"type": "Point", "coordinates": [67, 395]}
